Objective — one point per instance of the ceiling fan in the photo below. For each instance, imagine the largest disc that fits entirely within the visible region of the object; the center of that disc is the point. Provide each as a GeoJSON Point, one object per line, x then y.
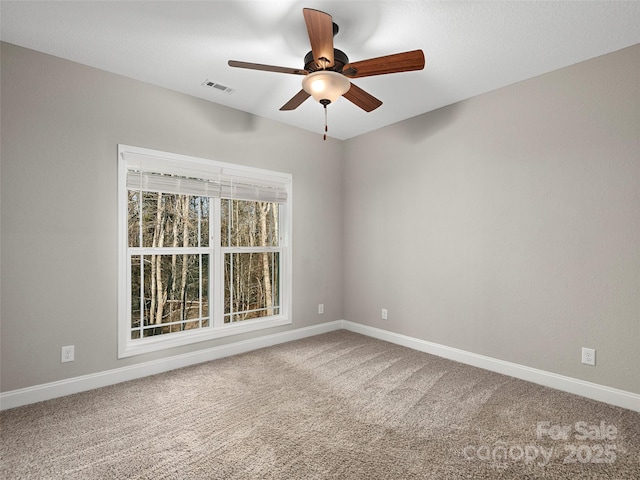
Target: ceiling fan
{"type": "Point", "coordinates": [327, 70]}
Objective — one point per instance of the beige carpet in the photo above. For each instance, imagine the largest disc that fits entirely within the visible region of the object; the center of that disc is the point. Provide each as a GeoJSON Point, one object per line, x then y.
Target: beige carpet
{"type": "Point", "coordinates": [335, 406]}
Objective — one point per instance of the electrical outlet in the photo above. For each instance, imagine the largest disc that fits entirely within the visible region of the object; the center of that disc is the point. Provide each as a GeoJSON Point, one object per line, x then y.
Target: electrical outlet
{"type": "Point", "coordinates": [588, 356]}
{"type": "Point", "coordinates": [67, 354]}
{"type": "Point", "coordinates": [385, 314]}
{"type": "Point", "coordinates": [320, 308]}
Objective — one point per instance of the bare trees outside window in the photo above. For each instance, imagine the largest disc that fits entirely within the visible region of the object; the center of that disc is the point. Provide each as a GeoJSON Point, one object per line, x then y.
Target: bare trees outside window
{"type": "Point", "coordinates": [169, 277]}
{"type": "Point", "coordinates": [251, 273]}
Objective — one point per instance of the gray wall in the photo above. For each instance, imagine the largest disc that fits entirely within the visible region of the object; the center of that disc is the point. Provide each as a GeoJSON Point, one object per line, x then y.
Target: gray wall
{"type": "Point", "coordinates": [61, 124]}
{"type": "Point", "coordinates": [508, 225]}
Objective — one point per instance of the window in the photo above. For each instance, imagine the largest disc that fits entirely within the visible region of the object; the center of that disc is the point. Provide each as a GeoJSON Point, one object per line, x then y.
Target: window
{"type": "Point", "coordinates": [204, 250]}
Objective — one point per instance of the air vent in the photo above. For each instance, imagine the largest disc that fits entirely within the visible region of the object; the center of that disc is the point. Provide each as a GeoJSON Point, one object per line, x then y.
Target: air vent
{"type": "Point", "coordinates": [217, 86]}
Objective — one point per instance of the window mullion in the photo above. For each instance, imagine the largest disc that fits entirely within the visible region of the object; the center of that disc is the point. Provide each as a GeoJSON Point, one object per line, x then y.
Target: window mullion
{"type": "Point", "coordinates": [216, 274]}
{"type": "Point", "coordinates": [141, 294]}
{"type": "Point", "coordinates": [141, 260]}
{"type": "Point", "coordinates": [169, 250]}
{"type": "Point", "coordinates": [251, 249]}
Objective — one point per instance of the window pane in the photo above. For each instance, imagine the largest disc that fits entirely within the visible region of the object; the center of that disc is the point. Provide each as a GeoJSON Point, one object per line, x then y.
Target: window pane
{"type": "Point", "coordinates": [202, 208]}
{"type": "Point", "coordinates": [175, 291]}
{"type": "Point", "coordinates": [251, 285]}
{"type": "Point", "coordinates": [169, 220]}
{"type": "Point", "coordinates": [134, 218]}
{"type": "Point", "coordinates": [136, 282]}
{"type": "Point", "coordinates": [249, 224]}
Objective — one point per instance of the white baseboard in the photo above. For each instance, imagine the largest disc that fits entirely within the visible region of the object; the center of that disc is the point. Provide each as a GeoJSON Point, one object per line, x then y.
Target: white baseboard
{"type": "Point", "coordinates": [47, 391]}
{"type": "Point", "coordinates": [612, 396]}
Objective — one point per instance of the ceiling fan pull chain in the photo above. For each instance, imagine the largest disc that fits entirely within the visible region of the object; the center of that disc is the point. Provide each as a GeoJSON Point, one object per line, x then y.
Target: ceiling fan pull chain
{"type": "Point", "coordinates": [326, 128]}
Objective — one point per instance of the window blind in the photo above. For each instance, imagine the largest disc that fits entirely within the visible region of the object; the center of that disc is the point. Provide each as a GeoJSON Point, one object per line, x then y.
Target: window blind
{"type": "Point", "coordinates": [188, 176]}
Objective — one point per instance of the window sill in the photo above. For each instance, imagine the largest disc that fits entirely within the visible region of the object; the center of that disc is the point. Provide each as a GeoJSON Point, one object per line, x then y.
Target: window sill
{"type": "Point", "coordinates": [130, 348]}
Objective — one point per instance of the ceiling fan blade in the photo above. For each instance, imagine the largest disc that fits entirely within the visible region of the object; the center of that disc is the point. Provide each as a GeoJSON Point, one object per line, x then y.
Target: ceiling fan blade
{"type": "Point", "coordinates": [399, 62]}
{"type": "Point", "coordinates": [296, 101]}
{"type": "Point", "coordinates": [320, 28]}
{"type": "Point", "coordinates": [362, 99]}
{"type": "Point", "coordinates": [266, 68]}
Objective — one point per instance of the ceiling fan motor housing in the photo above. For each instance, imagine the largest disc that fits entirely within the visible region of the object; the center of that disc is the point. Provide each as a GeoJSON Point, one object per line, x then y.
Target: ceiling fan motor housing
{"type": "Point", "coordinates": [340, 59]}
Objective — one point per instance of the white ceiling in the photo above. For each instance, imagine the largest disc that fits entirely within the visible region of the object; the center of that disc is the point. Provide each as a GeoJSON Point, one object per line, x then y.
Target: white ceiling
{"type": "Point", "coordinates": [470, 47]}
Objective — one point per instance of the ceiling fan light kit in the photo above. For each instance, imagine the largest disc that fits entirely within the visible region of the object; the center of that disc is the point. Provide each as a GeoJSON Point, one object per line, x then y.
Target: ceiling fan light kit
{"type": "Point", "coordinates": [327, 70]}
{"type": "Point", "coordinates": [326, 85]}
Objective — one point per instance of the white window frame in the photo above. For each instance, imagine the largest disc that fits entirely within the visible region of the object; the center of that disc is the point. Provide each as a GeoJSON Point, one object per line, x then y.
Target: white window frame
{"type": "Point", "coordinates": [195, 167]}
